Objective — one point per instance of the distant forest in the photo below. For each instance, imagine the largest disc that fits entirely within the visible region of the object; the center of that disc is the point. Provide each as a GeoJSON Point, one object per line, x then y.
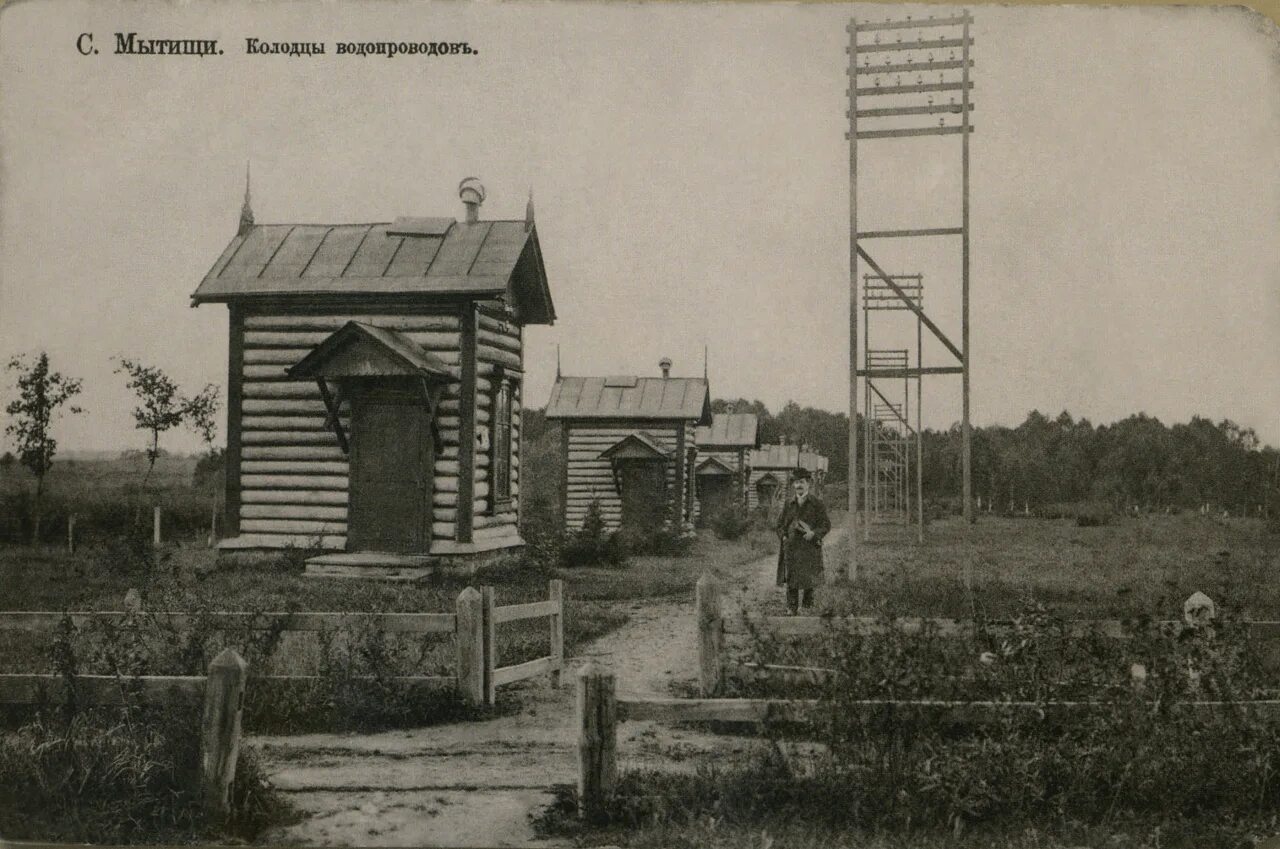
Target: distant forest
{"type": "Point", "coordinates": [1138, 461]}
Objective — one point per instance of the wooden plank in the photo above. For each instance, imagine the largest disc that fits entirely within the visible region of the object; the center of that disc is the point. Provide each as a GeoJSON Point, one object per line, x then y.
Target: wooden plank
{"type": "Point", "coordinates": [36, 621]}
{"type": "Point", "coordinates": [912, 67]}
{"type": "Point", "coordinates": [491, 354]}
{"type": "Point", "coordinates": [281, 437]}
{"type": "Point", "coordinates": [467, 425]}
{"type": "Point", "coordinates": [936, 44]}
{"type": "Point", "coordinates": [597, 711]}
{"type": "Point", "coordinates": [220, 729]}
{"type": "Point", "coordinates": [294, 526]}
{"type": "Point", "coordinates": [528, 610]}
{"type": "Point", "coordinates": [159, 690]}
{"type": "Point", "coordinates": [918, 23]}
{"type": "Point", "coordinates": [915, 131]}
{"type": "Point", "coordinates": [311, 406]}
{"type": "Point", "coordinates": [288, 423]}
{"type": "Point", "coordinates": [301, 481]}
{"type": "Point", "coordinates": [330, 497]}
{"type": "Point", "coordinates": [521, 671]}
{"type": "Point", "coordinates": [555, 591]}
{"type": "Point", "coordinates": [328, 322]}
{"type": "Point", "coordinates": [470, 646]}
{"type": "Point", "coordinates": [314, 512]}
{"type": "Point", "coordinates": [293, 452]}
{"type": "Point", "coordinates": [426, 681]}
{"type": "Point", "coordinates": [235, 409]}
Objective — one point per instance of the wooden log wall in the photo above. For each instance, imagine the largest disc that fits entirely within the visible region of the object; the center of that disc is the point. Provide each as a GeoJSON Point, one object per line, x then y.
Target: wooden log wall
{"type": "Point", "coordinates": [293, 476]}
{"type": "Point", "coordinates": [783, 476]}
{"type": "Point", "coordinates": [498, 349]}
{"type": "Point", "coordinates": [591, 478]}
{"type": "Point", "coordinates": [734, 458]}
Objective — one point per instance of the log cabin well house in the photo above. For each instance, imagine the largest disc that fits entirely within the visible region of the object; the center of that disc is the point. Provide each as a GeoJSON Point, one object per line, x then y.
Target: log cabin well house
{"type": "Point", "coordinates": [629, 443]}
{"type": "Point", "coordinates": [723, 469]}
{"type": "Point", "coordinates": [374, 386]}
{"type": "Point", "coordinates": [771, 468]}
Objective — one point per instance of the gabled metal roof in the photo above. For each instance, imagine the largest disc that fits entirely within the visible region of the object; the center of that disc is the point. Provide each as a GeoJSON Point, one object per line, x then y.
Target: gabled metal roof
{"type": "Point", "coordinates": [413, 256]}
{"type": "Point", "coordinates": [730, 430]}
{"type": "Point", "coordinates": [686, 398]}
{"type": "Point", "coordinates": [776, 457]}
{"type": "Point", "coordinates": [813, 461]}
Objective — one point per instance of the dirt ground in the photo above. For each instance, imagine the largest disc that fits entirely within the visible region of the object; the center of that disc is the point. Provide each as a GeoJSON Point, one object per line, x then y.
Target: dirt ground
{"type": "Point", "coordinates": [482, 783]}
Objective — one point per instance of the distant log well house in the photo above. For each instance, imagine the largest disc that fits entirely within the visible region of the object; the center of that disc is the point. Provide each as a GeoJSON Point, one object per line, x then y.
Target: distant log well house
{"type": "Point", "coordinates": [629, 444]}
{"type": "Point", "coordinates": [375, 386]}
{"type": "Point", "coordinates": [770, 474]}
{"type": "Point", "coordinates": [723, 466]}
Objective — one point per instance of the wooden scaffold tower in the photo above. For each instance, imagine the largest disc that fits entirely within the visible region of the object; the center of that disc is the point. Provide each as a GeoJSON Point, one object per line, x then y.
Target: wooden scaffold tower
{"type": "Point", "coordinates": [908, 78]}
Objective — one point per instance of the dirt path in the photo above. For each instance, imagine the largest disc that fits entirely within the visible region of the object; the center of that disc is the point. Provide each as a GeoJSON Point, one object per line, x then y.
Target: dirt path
{"type": "Point", "coordinates": [479, 783]}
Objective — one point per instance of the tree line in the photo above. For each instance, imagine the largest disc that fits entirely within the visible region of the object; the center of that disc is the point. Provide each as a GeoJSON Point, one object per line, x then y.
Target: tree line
{"type": "Point", "coordinates": [1136, 462]}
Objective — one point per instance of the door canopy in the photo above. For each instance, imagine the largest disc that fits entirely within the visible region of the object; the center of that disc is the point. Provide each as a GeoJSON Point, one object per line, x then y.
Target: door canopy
{"type": "Point", "coordinates": [364, 352]}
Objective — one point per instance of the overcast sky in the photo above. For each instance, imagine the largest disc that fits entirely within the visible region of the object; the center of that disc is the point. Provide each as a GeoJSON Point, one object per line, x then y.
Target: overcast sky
{"type": "Point", "coordinates": [690, 177]}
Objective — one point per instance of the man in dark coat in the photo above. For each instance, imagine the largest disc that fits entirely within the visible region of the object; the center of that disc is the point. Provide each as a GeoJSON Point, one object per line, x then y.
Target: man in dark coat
{"type": "Point", "coordinates": [801, 528]}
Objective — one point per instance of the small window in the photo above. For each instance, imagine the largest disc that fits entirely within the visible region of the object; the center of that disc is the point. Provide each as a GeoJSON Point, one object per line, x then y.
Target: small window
{"type": "Point", "coordinates": [501, 446]}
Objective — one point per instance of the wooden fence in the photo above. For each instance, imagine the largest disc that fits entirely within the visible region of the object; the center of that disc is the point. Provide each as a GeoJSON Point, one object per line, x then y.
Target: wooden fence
{"type": "Point", "coordinates": [221, 691]}
{"type": "Point", "coordinates": [599, 710]}
{"type": "Point", "coordinates": [473, 623]}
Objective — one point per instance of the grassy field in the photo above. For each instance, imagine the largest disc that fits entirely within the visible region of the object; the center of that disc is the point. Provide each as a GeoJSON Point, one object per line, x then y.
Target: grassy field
{"type": "Point", "coordinates": [1132, 565]}
{"type": "Point", "coordinates": [1127, 775]}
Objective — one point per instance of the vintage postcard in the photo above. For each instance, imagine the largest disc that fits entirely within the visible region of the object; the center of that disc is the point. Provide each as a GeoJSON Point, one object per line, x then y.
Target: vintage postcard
{"type": "Point", "coordinates": [639, 424]}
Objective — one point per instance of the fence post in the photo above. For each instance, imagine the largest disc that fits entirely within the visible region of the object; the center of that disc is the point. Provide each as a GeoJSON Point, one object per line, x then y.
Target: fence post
{"type": "Point", "coordinates": [597, 740]}
{"type": "Point", "coordinates": [469, 631]}
{"type": "Point", "coordinates": [71, 534]}
{"type": "Point", "coordinates": [488, 600]}
{"type": "Point", "coordinates": [220, 729]}
{"type": "Point", "coordinates": [710, 635]}
{"type": "Point", "coordinates": [155, 525]}
{"type": "Point", "coordinates": [132, 601]}
{"type": "Point", "coordinates": [556, 594]}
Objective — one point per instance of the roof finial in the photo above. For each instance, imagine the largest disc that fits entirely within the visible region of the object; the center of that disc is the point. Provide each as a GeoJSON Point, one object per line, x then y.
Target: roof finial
{"type": "Point", "coordinates": [704, 361]}
{"type": "Point", "coordinates": [246, 211]}
{"type": "Point", "coordinates": [557, 361]}
{"type": "Point", "coordinates": [528, 212]}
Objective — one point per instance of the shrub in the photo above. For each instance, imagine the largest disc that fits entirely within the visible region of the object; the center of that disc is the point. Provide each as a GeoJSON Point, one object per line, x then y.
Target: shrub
{"type": "Point", "coordinates": [1134, 758]}
{"type": "Point", "coordinates": [593, 544]}
{"type": "Point", "coordinates": [731, 523]}
{"type": "Point", "coordinates": [118, 776]}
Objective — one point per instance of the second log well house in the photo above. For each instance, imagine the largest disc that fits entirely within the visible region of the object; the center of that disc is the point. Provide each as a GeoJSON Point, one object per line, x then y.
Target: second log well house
{"type": "Point", "coordinates": [770, 474]}
{"type": "Point", "coordinates": [375, 385]}
{"type": "Point", "coordinates": [629, 444]}
{"type": "Point", "coordinates": [723, 469]}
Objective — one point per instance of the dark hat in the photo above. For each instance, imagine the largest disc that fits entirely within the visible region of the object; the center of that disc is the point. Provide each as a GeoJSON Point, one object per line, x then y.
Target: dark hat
{"type": "Point", "coordinates": [801, 475]}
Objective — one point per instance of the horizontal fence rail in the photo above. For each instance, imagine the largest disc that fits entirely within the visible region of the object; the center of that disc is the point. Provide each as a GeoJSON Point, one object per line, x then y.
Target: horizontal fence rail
{"type": "Point", "coordinates": [112, 690]}
{"type": "Point", "coordinates": [550, 664]}
{"type": "Point", "coordinates": [473, 624]}
{"type": "Point", "coordinates": [392, 623]}
{"type": "Point", "coordinates": [221, 692]}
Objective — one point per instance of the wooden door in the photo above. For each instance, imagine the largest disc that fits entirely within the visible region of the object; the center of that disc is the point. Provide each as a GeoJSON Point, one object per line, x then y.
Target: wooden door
{"type": "Point", "coordinates": [391, 470]}
{"type": "Point", "coordinates": [644, 493]}
{"type": "Point", "coordinates": [715, 496]}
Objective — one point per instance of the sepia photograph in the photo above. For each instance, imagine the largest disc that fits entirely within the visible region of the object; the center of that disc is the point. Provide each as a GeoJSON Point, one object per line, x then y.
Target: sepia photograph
{"type": "Point", "coordinates": [554, 423]}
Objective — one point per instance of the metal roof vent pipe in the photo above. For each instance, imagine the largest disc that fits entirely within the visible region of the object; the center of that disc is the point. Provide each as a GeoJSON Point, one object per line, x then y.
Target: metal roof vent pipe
{"type": "Point", "coordinates": [665, 365]}
{"type": "Point", "coordinates": [471, 190]}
